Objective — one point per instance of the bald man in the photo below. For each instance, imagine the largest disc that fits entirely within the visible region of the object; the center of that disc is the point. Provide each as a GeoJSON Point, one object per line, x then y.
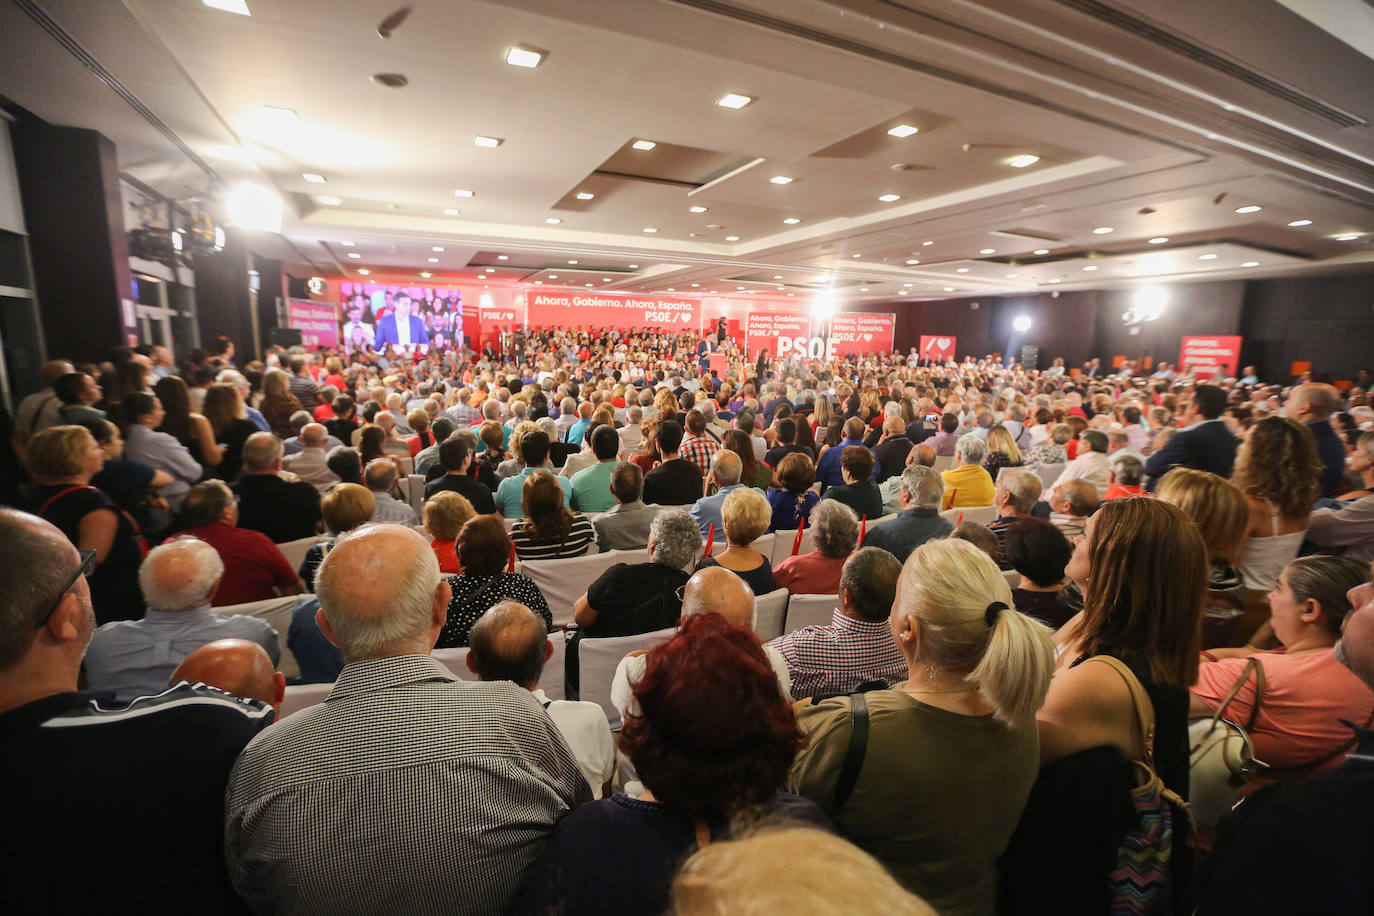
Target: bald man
{"type": "Point", "coordinates": [892, 449]}
{"type": "Point", "coordinates": [1313, 404]}
{"type": "Point", "coordinates": [710, 590]}
{"type": "Point", "coordinates": [404, 764]}
{"type": "Point", "coordinates": [309, 463]}
{"type": "Point", "coordinates": [726, 469]}
{"type": "Point", "coordinates": [235, 666]}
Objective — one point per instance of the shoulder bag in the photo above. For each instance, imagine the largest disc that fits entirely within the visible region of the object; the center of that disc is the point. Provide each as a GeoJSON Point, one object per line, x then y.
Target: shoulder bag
{"type": "Point", "coordinates": [1221, 759]}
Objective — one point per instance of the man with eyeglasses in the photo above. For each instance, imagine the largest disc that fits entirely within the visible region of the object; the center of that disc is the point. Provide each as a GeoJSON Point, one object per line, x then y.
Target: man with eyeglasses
{"type": "Point", "coordinates": [107, 807]}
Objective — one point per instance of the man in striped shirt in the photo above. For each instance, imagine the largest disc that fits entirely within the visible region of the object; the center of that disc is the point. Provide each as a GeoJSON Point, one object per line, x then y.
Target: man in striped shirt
{"type": "Point", "coordinates": [699, 446]}
{"type": "Point", "coordinates": [857, 646]}
{"type": "Point", "coordinates": [406, 790]}
{"type": "Point", "coordinates": [108, 807]}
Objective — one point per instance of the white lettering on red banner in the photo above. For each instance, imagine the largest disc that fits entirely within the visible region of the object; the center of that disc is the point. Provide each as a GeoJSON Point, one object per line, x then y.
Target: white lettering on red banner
{"type": "Point", "coordinates": [937, 347]}
{"type": "Point", "coordinates": [316, 321]}
{"type": "Point", "coordinates": [1210, 355]}
{"type": "Point", "coordinates": [856, 333]}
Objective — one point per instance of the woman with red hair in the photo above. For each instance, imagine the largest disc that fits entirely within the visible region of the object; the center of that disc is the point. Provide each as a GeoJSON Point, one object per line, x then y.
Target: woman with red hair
{"type": "Point", "coordinates": [712, 743]}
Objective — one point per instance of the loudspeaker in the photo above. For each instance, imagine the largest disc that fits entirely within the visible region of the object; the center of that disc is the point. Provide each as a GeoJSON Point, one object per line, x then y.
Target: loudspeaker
{"type": "Point", "coordinates": [1030, 357]}
{"type": "Point", "coordinates": [284, 337]}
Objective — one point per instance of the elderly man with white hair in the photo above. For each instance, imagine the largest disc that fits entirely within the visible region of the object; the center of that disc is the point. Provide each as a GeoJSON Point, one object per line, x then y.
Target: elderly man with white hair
{"type": "Point", "coordinates": [134, 658]}
{"type": "Point", "coordinates": [380, 477]}
{"type": "Point", "coordinates": [331, 810]}
{"type": "Point", "coordinates": [309, 463]}
{"type": "Point", "coordinates": [631, 435]}
{"type": "Point", "coordinates": [396, 407]}
{"type": "Point", "coordinates": [920, 494]}
{"type": "Point", "coordinates": [726, 469]}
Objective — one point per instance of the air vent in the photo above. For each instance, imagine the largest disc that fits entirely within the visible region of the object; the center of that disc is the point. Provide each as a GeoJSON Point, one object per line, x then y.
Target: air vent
{"type": "Point", "coordinates": [1033, 235]}
{"type": "Point", "coordinates": [1156, 35]}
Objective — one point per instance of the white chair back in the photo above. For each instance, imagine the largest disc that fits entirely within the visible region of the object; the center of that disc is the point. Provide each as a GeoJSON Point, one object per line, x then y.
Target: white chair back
{"type": "Point", "coordinates": [943, 462]}
{"type": "Point", "coordinates": [295, 551]}
{"type": "Point", "coordinates": [407, 465]}
{"type": "Point", "coordinates": [302, 696]}
{"type": "Point", "coordinates": [1049, 473]}
{"type": "Point", "coordinates": [564, 581]}
{"type": "Point", "coordinates": [1012, 576]}
{"type": "Point", "coordinates": [551, 681]}
{"type": "Point", "coordinates": [979, 514]}
{"type": "Point", "coordinates": [883, 520]}
{"type": "Point", "coordinates": [456, 661]}
{"type": "Point", "coordinates": [809, 611]}
{"type": "Point", "coordinates": [784, 538]}
{"type": "Point", "coordinates": [763, 544]}
{"type": "Point", "coordinates": [631, 556]}
{"type": "Point", "coordinates": [597, 660]}
{"type": "Point", "coordinates": [277, 612]}
{"type": "Point", "coordinates": [417, 493]}
{"type": "Point", "coordinates": [771, 611]}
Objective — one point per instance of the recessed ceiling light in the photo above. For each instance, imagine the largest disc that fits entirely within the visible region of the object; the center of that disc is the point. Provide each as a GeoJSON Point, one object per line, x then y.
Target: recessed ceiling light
{"type": "Point", "coordinates": [588, 285]}
{"type": "Point", "coordinates": [949, 289]}
{"type": "Point", "coordinates": [490, 270]}
{"type": "Point", "coordinates": [437, 248]}
{"type": "Point", "coordinates": [605, 279]}
{"type": "Point", "coordinates": [462, 192]}
{"type": "Point", "coordinates": [987, 251]}
{"type": "Point", "coordinates": [739, 287]}
{"type": "Point", "coordinates": [856, 255]}
{"type": "Point", "coordinates": [364, 271]}
{"type": "Point", "coordinates": [1020, 162]}
{"type": "Point", "coordinates": [912, 261]}
{"type": "Point", "coordinates": [433, 260]}
{"type": "Point", "coordinates": [928, 242]}
{"type": "Point", "coordinates": [538, 282]}
{"type": "Point", "coordinates": [487, 142]}
{"type": "Point", "coordinates": [733, 100]}
{"type": "Point", "coordinates": [1348, 237]}
{"type": "Point", "coordinates": [312, 177]}
{"type": "Point", "coordinates": [1091, 267]}
{"type": "Point", "coordinates": [961, 270]}
{"type": "Point", "coordinates": [522, 56]}
{"type": "Point", "coordinates": [346, 244]}
{"type": "Point", "coordinates": [1056, 280]}
{"type": "Point", "coordinates": [732, 238]}
{"type": "Point", "coordinates": [1207, 257]}
{"type": "Point", "coordinates": [553, 220]}
{"type": "Point", "coordinates": [229, 6]}
{"type": "Point", "coordinates": [426, 274]}
{"type": "Point", "coordinates": [354, 255]}
{"type": "Point", "coordinates": [777, 276]}
{"type": "Point", "coordinates": [1041, 251]}
{"type": "Point", "coordinates": [780, 179]}
{"type": "Point", "coordinates": [553, 276]}
{"type": "Point", "coordinates": [902, 130]}
{"type": "Point", "coordinates": [572, 260]}
{"type": "Point", "coordinates": [1249, 208]}
{"type": "Point", "coordinates": [791, 295]}
{"type": "Point", "coordinates": [1159, 240]}
{"type": "Point", "coordinates": [449, 211]}
{"type": "Point", "coordinates": [634, 267]}
{"type": "Point", "coordinates": [503, 257]}
{"type": "Point", "coordinates": [863, 289]}
{"type": "Point", "coordinates": [713, 292]}
{"type": "Point", "coordinates": [329, 201]}
{"type": "Point", "coordinates": [1011, 276]}
{"type": "Point", "coordinates": [1250, 264]}
{"type": "Point", "coordinates": [1300, 222]}
{"type": "Point", "coordinates": [1103, 230]}
{"type": "Point", "coordinates": [643, 144]}
{"type": "Point", "coordinates": [792, 221]}
{"type": "Point", "coordinates": [781, 288]}
{"type": "Point", "coordinates": [696, 284]}
{"type": "Point", "coordinates": [650, 229]}
{"type": "Point", "coordinates": [672, 289]}
{"type": "Point", "coordinates": [585, 195]}
{"type": "Point", "coordinates": [889, 198]}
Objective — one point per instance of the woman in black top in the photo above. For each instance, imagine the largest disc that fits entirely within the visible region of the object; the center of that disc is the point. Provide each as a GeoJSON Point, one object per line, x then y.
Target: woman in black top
{"type": "Point", "coordinates": [63, 460]}
{"type": "Point", "coordinates": [1143, 570]}
{"type": "Point", "coordinates": [484, 549]}
{"type": "Point", "coordinates": [224, 409]}
{"type": "Point", "coordinates": [129, 484]}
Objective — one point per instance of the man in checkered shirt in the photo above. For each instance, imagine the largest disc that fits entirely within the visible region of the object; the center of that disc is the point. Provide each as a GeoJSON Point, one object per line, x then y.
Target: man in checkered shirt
{"type": "Point", "coordinates": [699, 446]}
{"type": "Point", "coordinates": [407, 790]}
{"type": "Point", "coordinates": [857, 646]}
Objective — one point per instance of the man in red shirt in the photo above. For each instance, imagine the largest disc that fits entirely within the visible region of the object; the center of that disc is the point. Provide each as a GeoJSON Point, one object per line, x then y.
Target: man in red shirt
{"type": "Point", "coordinates": [254, 568]}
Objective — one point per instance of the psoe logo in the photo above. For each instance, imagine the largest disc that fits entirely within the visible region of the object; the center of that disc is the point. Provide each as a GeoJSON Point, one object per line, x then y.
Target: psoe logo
{"type": "Point", "coordinates": [499, 316]}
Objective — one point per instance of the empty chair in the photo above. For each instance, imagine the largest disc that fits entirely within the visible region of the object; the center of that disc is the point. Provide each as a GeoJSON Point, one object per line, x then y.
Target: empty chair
{"type": "Point", "coordinates": [302, 696]}
{"type": "Point", "coordinates": [810, 611]}
{"type": "Point", "coordinates": [277, 612]}
{"type": "Point", "coordinates": [597, 660]}
{"type": "Point", "coordinates": [771, 611]}
{"type": "Point", "coordinates": [295, 551]}
{"type": "Point", "coordinates": [456, 661]}
{"type": "Point", "coordinates": [417, 492]}
{"type": "Point", "coordinates": [1049, 473]}
{"type": "Point", "coordinates": [564, 581]}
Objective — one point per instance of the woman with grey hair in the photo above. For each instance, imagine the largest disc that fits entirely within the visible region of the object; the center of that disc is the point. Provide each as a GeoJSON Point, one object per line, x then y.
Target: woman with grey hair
{"type": "Point", "coordinates": [818, 573]}
{"type": "Point", "coordinates": [1051, 451]}
{"type": "Point", "coordinates": [968, 484]}
{"type": "Point", "coordinates": [633, 598]}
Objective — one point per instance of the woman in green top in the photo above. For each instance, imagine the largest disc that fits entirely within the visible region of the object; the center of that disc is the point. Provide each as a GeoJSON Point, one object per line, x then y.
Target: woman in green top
{"type": "Point", "coordinates": [951, 753]}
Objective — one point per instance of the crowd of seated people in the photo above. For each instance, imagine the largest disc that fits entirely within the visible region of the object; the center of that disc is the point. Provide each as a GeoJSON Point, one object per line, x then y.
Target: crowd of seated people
{"type": "Point", "coordinates": [1152, 541]}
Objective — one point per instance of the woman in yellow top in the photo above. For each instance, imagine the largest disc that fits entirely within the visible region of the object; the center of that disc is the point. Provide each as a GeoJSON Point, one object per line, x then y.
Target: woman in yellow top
{"type": "Point", "coordinates": [967, 483]}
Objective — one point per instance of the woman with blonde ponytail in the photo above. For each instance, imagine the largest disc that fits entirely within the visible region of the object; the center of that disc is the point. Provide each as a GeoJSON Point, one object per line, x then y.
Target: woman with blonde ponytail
{"type": "Point", "coordinates": [950, 754]}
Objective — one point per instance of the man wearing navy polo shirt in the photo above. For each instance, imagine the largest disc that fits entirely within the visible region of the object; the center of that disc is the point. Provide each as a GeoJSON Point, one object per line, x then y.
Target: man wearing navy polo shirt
{"type": "Point", "coordinates": [828, 472]}
{"type": "Point", "coordinates": [107, 807]}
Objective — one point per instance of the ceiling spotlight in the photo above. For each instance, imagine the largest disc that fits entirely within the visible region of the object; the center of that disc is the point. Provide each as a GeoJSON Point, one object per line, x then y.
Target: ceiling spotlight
{"type": "Point", "coordinates": [1300, 222]}
{"type": "Point", "coordinates": [961, 270]}
{"type": "Point", "coordinates": [229, 6]}
{"type": "Point", "coordinates": [588, 285]}
{"type": "Point", "coordinates": [346, 244]}
{"type": "Point", "coordinates": [1011, 276]}
{"type": "Point", "coordinates": [777, 276]}
{"type": "Point", "coordinates": [863, 289]}
{"type": "Point", "coordinates": [433, 260]}
{"type": "Point", "coordinates": [949, 289]}
{"type": "Point", "coordinates": [503, 257]}
{"type": "Point", "coordinates": [650, 229]}
{"type": "Point", "coordinates": [426, 274]}
{"type": "Point", "coordinates": [696, 284]}
{"type": "Point", "coordinates": [696, 209]}
{"type": "Point", "coordinates": [889, 198]}
{"type": "Point", "coordinates": [1250, 264]}
{"type": "Point", "coordinates": [605, 279]}
{"type": "Point", "coordinates": [1091, 267]}
{"type": "Point", "coordinates": [1249, 208]}
{"type": "Point", "coordinates": [553, 276]}
{"type": "Point", "coordinates": [902, 130]}
{"type": "Point", "coordinates": [585, 195]}
{"type": "Point", "coordinates": [734, 100]}
{"type": "Point", "coordinates": [462, 192]}
{"type": "Point", "coordinates": [572, 260]}
{"type": "Point", "coordinates": [1159, 240]}
{"type": "Point", "coordinates": [329, 201]}
{"type": "Point", "coordinates": [780, 179]}
{"type": "Point", "coordinates": [643, 144]}
{"type": "Point", "coordinates": [437, 248]}
{"type": "Point", "coordinates": [1103, 230]}
{"type": "Point", "coordinates": [488, 142]}
{"type": "Point", "coordinates": [739, 287]}
{"type": "Point", "coordinates": [792, 221]}
{"type": "Point", "coordinates": [1021, 324]}
{"type": "Point", "coordinates": [1022, 161]}
{"type": "Point", "coordinates": [912, 261]}
{"type": "Point", "coordinates": [633, 266]}
{"type": "Point", "coordinates": [354, 255]}
{"type": "Point", "coordinates": [448, 211]}
{"type": "Point", "coordinates": [856, 255]}
{"type": "Point", "coordinates": [538, 282]}
{"type": "Point", "coordinates": [987, 251]}
{"type": "Point", "coordinates": [553, 220]}
{"type": "Point", "coordinates": [1207, 257]}
{"type": "Point", "coordinates": [312, 177]}
{"type": "Point", "coordinates": [1041, 251]}
{"type": "Point", "coordinates": [490, 270]}
{"type": "Point", "coordinates": [672, 289]}
{"type": "Point", "coordinates": [732, 238]}
{"type": "Point", "coordinates": [1348, 237]}
{"type": "Point", "coordinates": [522, 56]}
{"type": "Point", "coordinates": [928, 242]}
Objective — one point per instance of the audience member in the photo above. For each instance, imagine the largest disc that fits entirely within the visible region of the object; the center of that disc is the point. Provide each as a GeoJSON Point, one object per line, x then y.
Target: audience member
{"type": "Point", "coordinates": [546, 529]}
{"type": "Point", "coordinates": [281, 509]}
{"type": "Point", "coordinates": [347, 506]}
{"type": "Point", "coordinates": [310, 464]}
{"type": "Point", "coordinates": [1091, 464]}
{"type": "Point", "coordinates": [1002, 452]}
{"type": "Point", "coordinates": [380, 476]}
{"type": "Point", "coordinates": [967, 484]}
{"type": "Point", "coordinates": [254, 568]}
{"type": "Point", "coordinates": [1222, 515]}
{"type": "Point", "coordinates": [919, 520]}
{"type": "Point", "coordinates": [858, 491]}
{"type": "Point", "coordinates": [625, 526]}
{"type": "Point", "coordinates": [591, 487]}
{"type": "Point", "coordinates": [237, 666]}
{"type": "Point", "coordinates": [793, 500]}
{"type": "Point", "coordinates": [1312, 405]}
{"type": "Point", "coordinates": [1203, 442]}
{"type": "Point", "coordinates": [674, 481]}
{"type": "Point", "coordinates": [160, 451]}
{"type": "Point", "coordinates": [836, 530]}
{"type": "Point", "coordinates": [1279, 471]}
{"type": "Point", "coordinates": [534, 447]}
{"type": "Point", "coordinates": [1070, 505]}
{"type": "Point", "coordinates": [1051, 451]}
{"type": "Point", "coordinates": [484, 550]}
{"type": "Point", "coordinates": [1039, 552]}
{"type": "Point", "coordinates": [445, 515]}
{"type": "Point", "coordinates": [294, 838]}
{"type": "Point", "coordinates": [829, 465]}
{"type": "Point", "coordinates": [744, 517]}
{"type": "Point", "coordinates": [726, 468]}
{"type": "Point", "coordinates": [1127, 472]}
{"type": "Point", "coordinates": [892, 449]}
{"type": "Point", "coordinates": [345, 463]}
{"type": "Point", "coordinates": [456, 458]}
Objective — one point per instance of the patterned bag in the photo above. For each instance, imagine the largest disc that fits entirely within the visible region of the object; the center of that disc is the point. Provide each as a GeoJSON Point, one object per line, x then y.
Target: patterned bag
{"type": "Point", "coordinates": [1141, 881]}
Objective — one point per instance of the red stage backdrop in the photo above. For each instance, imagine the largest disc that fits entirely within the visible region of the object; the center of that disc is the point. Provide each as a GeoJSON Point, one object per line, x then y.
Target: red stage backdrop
{"type": "Point", "coordinates": [317, 322]}
{"type": "Point", "coordinates": [766, 330]}
{"type": "Point", "coordinates": [857, 333]}
{"type": "Point", "coordinates": [1210, 354]}
{"type": "Point", "coordinates": [934, 346]}
{"type": "Point", "coordinates": [788, 334]}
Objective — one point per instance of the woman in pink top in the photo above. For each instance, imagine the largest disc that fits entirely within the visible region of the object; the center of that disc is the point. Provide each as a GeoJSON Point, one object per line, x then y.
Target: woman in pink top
{"type": "Point", "coordinates": [818, 572]}
{"type": "Point", "coordinates": [1308, 692]}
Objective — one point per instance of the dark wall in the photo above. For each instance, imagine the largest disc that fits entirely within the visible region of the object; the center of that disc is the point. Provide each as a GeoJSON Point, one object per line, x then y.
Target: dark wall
{"type": "Point", "coordinates": [69, 185]}
{"type": "Point", "coordinates": [1327, 321]}
{"type": "Point", "coordinates": [223, 298]}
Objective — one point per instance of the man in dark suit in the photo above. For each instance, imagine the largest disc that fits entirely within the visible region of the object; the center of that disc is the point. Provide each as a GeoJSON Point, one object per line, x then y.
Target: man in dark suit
{"type": "Point", "coordinates": [1313, 404]}
{"type": "Point", "coordinates": [1203, 443]}
{"type": "Point", "coordinates": [1094, 368]}
{"type": "Point", "coordinates": [402, 329]}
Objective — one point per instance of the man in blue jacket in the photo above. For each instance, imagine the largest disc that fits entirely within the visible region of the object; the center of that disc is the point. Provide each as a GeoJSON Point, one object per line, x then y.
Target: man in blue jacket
{"type": "Point", "coordinates": [1203, 443]}
{"type": "Point", "coordinates": [402, 329]}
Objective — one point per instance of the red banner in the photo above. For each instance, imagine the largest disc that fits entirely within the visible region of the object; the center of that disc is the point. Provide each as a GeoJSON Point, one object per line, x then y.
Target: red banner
{"type": "Point", "coordinates": [856, 333]}
{"type": "Point", "coordinates": [940, 349]}
{"type": "Point", "coordinates": [766, 331]}
{"type": "Point", "coordinates": [1210, 355]}
{"type": "Point", "coordinates": [316, 321]}
{"type": "Point", "coordinates": [611, 310]}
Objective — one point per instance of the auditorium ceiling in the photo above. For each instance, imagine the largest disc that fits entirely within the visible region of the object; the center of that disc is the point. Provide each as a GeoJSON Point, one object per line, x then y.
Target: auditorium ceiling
{"type": "Point", "coordinates": [1057, 144]}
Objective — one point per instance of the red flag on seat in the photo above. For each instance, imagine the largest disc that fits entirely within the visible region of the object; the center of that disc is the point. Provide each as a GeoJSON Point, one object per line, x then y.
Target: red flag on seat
{"type": "Point", "coordinates": [710, 538]}
{"type": "Point", "coordinates": [863, 530]}
{"type": "Point", "coordinates": [796, 542]}
{"type": "Point", "coordinates": [510, 567]}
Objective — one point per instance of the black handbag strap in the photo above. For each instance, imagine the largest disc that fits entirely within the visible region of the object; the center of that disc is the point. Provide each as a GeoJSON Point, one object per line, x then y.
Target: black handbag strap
{"type": "Point", "coordinates": [854, 756]}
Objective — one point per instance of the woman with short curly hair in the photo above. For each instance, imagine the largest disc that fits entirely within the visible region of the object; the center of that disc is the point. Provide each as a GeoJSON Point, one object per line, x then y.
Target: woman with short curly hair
{"type": "Point", "coordinates": [1279, 471]}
